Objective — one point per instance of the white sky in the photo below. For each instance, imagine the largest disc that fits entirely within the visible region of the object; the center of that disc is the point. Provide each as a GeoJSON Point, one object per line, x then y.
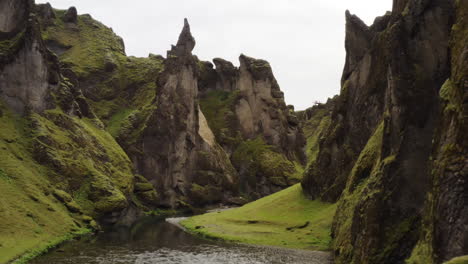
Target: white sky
{"type": "Point", "coordinates": [302, 39]}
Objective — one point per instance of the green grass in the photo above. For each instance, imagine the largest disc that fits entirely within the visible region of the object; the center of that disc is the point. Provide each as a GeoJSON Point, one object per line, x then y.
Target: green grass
{"type": "Point", "coordinates": [47, 246]}
{"type": "Point", "coordinates": [30, 217]}
{"type": "Point", "coordinates": [215, 106]}
{"type": "Point", "coordinates": [90, 43]}
{"type": "Point", "coordinates": [458, 260]}
{"type": "Point", "coordinates": [275, 220]}
{"type": "Point", "coordinates": [313, 129]}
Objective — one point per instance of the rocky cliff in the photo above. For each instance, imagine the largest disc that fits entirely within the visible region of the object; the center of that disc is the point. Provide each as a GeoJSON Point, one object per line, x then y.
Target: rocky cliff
{"type": "Point", "coordinates": [60, 170]}
{"type": "Point", "coordinates": [395, 141]}
{"type": "Point", "coordinates": [246, 110]}
{"type": "Point", "coordinates": [179, 154]}
{"type": "Point", "coordinates": [94, 137]}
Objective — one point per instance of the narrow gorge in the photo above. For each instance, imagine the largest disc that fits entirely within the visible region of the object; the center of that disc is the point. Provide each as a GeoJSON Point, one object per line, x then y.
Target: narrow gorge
{"type": "Point", "coordinates": [93, 141]}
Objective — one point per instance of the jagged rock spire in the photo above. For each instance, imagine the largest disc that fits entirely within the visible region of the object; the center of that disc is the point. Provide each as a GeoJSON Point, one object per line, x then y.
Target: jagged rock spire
{"type": "Point", "coordinates": [357, 41]}
{"type": "Point", "coordinates": [186, 41]}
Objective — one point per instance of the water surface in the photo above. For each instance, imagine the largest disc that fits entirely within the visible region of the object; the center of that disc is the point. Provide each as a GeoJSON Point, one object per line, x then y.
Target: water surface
{"type": "Point", "coordinates": [156, 241]}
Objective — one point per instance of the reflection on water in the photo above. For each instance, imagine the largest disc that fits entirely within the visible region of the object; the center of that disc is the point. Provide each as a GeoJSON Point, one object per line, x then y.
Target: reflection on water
{"type": "Point", "coordinates": [155, 241]}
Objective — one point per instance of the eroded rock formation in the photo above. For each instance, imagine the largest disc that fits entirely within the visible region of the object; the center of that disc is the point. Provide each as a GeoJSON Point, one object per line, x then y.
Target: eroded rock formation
{"type": "Point", "coordinates": [246, 110]}
{"type": "Point", "coordinates": [172, 143]}
{"type": "Point", "coordinates": [381, 159]}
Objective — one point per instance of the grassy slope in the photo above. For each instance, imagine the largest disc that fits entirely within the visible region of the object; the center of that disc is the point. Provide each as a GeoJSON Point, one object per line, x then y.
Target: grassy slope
{"type": "Point", "coordinates": [122, 98]}
{"type": "Point", "coordinates": [312, 131]}
{"type": "Point", "coordinates": [275, 214]}
{"type": "Point", "coordinates": [28, 211]}
{"type": "Point", "coordinates": [458, 260]}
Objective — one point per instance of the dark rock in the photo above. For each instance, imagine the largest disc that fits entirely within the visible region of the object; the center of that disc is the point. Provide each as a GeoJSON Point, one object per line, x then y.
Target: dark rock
{"type": "Point", "coordinates": [237, 201]}
{"type": "Point", "coordinates": [186, 42]}
{"type": "Point", "coordinates": [277, 94]}
{"type": "Point", "coordinates": [155, 57]}
{"type": "Point", "coordinates": [46, 12]}
{"type": "Point", "coordinates": [374, 158]}
{"type": "Point", "coordinates": [71, 16]}
{"type": "Point", "coordinates": [177, 143]}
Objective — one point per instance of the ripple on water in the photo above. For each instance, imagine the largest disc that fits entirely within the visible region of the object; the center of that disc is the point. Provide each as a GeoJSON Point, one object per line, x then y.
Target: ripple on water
{"type": "Point", "coordinates": [162, 243]}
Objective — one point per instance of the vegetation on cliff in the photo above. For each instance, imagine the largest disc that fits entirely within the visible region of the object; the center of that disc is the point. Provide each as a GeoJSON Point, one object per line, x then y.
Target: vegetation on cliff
{"type": "Point", "coordinates": [31, 216]}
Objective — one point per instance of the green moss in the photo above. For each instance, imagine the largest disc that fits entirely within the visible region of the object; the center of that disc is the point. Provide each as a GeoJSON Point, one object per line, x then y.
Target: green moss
{"type": "Point", "coordinates": [11, 45]}
{"type": "Point", "coordinates": [364, 174]}
{"type": "Point", "coordinates": [260, 160]}
{"type": "Point", "coordinates": [272, 220]}
{"type": "Point", "coordinates": [88, 46]}
{"type": "Point", "coordinates": [47, 246]}
{"type": "Point", "coordinates": [30, 216]}
{"type": "Point", "coordinates": [123, 88]}
{"type": "Point", "coordinates": [164, 212]}
{"type": "Point", "coordinates": [453, 99]}
{"type": "Point", "coordinates": [313, 132]}
{"type": "Point", "coordinates": [217, 106]}
{"type": "Point", "coordinates": [142, 187]}
{"type": "Point", "coordinates": [92, 165]}
{"type": "Point", "coordinates": [422, 253]}
{"type": "Point", "coordinates": [459, 38]}
{"type": "Point", "coordinates": [368, 157]}
{"type": "Point", "coordinates": [202, 195]}
{"type": "Point", "coordinates": [458, 260]}
{"type": "Point", "coordinates": [250, 150]}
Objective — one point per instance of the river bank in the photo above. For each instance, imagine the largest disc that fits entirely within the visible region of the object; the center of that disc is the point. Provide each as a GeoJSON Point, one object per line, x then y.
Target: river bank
{"type": "Point", "coordinates": [285, 219]}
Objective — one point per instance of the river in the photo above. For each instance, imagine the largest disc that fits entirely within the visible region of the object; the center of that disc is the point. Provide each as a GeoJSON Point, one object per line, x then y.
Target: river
{"type": "Point", "coordinates": [153, 240]}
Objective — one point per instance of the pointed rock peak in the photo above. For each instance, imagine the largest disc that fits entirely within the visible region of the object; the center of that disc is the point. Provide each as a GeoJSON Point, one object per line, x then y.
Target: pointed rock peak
{"type": "Point", "coordinates": [353, 20]}
{"type": "Point", "coordinates": [348, 14]}
{"type": "Point", "coordinates": [186, 41]}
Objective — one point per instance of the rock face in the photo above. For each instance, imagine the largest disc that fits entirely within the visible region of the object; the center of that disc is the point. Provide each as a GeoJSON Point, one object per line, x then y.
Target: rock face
{"type": "Point", "coordinates": [172, 142]}
{"type": "Point", "coordinates": [13, 15]}
{"type": "Point", "coordinates": [246, 110]}
{"type": "Point", "coordinates": [24, 54]}
{"type": "Point", "coordinates": [71, 16]}
{"type": "Point", "coordinates": [32, 85]}
{"type": "Point", "coordinates": [150, 105]}
{"type": "Point", "coordinates": [378, 158]}
{"type": "Point", "coordinates": [261, 109]}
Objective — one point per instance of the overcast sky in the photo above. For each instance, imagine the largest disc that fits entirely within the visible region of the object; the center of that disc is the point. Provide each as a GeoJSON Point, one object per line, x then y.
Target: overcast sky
{"type": "Point", "coordinates": [302, 39]}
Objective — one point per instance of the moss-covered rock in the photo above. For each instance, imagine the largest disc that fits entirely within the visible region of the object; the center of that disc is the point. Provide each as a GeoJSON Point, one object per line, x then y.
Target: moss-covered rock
{"type": "Point", "coordinates": [201, 195]}
{"type": "Point", "coordinates": [30, 216]}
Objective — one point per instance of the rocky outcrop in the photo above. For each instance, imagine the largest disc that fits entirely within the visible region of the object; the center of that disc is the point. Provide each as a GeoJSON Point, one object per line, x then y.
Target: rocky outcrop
{"type": "Point", "coordinates": [71, 16]}
{"type": "Point", "coordinates": [377, 159]}
{"type": "Point", "coordinates": [261, 109]}
{"type": "Point", "coordinates": [246, 110]}
{"type": "Point", "coordinates": [13, 15]}
{"type": "Point", "coordinates": [32, 85]}
{"type": "Point", "coordinates": [58, 163]}
{"type": "Point", "coordinates": [24, 54]}
{"type": "Point", "coordinates": [177, 137]}
{"type": "Point", "coordinates": [445, 217]}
